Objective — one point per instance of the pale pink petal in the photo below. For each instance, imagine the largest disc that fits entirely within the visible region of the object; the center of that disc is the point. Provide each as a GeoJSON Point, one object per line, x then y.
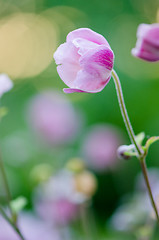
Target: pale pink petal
{"type": "Point", "coordinates": [68, 73]}
{"type": "Point", "coordinates": [146, 52]}
{"type": "Point", "coordinates": [66, 52]}
{"type": "Point", "coordinates": [68, 59]}
{"type": "Point", "coordinates": [150, 32]}
{"type": "Point", "coordinates": [100, 56]}
{"type": "Point", "coordinates": [89, 83]}
{"type": "Point", "coordinates": [96, 70]}
{"type": "Point", "coordinates": [5, 84]}
{"type": "Point", "coordinates": [142, 29]}
{"type": "Point", "coordinates": [87, 34]}
{"type": "Point", "coordinates": [83, 45]}
{"type": "Point", "coordinates": [72, 90]}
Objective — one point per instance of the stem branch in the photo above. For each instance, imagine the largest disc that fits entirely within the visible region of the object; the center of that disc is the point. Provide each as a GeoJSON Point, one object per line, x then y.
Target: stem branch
{"type": "Point", "coordinates": [11, 223]}
{"type": "Point", "coordinates": [141, 154]}
{"type": "Point", "coordinates": [124, 112]}
{"type": "Point", "coordinates": [144, 171]}
{"type": "Point", "coordinates": [6, 186]}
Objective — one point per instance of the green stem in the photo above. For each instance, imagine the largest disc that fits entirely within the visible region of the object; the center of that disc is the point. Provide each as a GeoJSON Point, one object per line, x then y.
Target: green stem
{"type": "Point", "coordinates": [124, 112]}
{"type": "Point", "coordinates": [141, 154]}
{"type": "Point", "coordinates": [6, 186]}
{"type": "Point", "coordinates": [144, 171]}
{"type": "Point", "coordinates": [85, 222]}
{"type": "Point", "coordinates": [11, 223]}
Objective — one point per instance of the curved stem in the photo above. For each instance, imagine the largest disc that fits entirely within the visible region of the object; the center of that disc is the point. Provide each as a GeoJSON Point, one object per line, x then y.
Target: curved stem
{"type": "Point", "coordinates": [141, 154]}
{"type": "Point", "coordinates": [144, 171]}
{"type": "Point", "coordinates": [124, 112]}
{"type": "Point", "coordinates": [11, 223]}
{"type": "Point", "coordinates": [6, 186]}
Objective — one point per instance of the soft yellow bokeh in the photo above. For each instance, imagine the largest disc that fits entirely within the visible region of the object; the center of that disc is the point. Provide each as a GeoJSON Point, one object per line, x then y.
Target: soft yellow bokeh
{"type": "Point", "coordinates": [26, 44]}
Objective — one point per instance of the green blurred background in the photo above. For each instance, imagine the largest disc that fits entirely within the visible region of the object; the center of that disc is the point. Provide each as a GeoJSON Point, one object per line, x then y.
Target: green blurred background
{"type": "Point", "coordinates": [30, 31]}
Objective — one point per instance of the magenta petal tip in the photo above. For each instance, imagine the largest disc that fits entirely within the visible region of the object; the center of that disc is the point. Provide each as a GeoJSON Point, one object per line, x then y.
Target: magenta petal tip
{"type": "Point", "coordinates": [71, 90]}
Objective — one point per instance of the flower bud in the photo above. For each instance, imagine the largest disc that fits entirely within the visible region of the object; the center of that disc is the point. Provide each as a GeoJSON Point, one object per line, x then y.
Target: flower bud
{"type": "Point", "coordinates": [85, 61]}
{"type": "Point", "coordinates": [75, 165]}
{"type": "Point", "coordinates": [85, 183]}
{"type": "Point", "coordinates": [41, 173]}
{"type": "Point", "coordinates": [147, 46]}
{"type": "Point", "coordinates": [123, 152]}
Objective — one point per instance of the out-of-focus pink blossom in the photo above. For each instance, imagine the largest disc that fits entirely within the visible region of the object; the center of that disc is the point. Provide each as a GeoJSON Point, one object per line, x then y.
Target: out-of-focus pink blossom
{"type": "Point", "coordinates": [85, 61]}
{"type": "Point", "coordinates": [153, 174]}
{"type": "Point", "coordinates": [53, 118]}
{"type": "Point", "coordinates": [131, 214]}
{"type": "Point", "coordinates": [147, 46]}
{"type": "Point", "coordinates": [137, 210]}
{"type": "Point", "coordinates": [59, 211]}
{"type": "Point", "coordinates": [56, 200]}
{"type": "Point", "coordinates": [5, 84]}
{"type": "Point", "coordinates": [31, 228]}
{"type": "Point", "coordinates": [100, 147]}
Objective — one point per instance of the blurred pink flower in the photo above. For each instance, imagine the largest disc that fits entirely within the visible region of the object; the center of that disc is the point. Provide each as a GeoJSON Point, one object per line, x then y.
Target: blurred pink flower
{"type": "Point", "coordinates": [100, 146]}
{"type": "Point", "coordinates": [153, 174]}
{"type": "Point", "coordinates": [59, 211]}
{"type": "Point", "coordinates": [53, 118]}
{"type": "Point", "coordinates": [56, 200]}
{"type": "Point", "coordinates": [85, 61]}
{"type": "Point", "coordinates": [31, 227]}
{"type": "Point", "coordinates": [136, 210]}
{"type": "Point", "coordinates": [5, 84]}
{"type": "Point", "coordinates": [147, 46]}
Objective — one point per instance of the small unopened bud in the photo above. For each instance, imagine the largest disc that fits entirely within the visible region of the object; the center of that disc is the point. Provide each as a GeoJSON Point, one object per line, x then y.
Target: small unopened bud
{"type": "Point", "coordinates": [41, 173]}
{"type": "Point", "coordinates": [85, 183]}
{"type": "Point", "coordinates": [3, 112]}
{"type": "Point", "coordinates": [123, 152]}
{"type": "Point", "coordinates": [75, 165]}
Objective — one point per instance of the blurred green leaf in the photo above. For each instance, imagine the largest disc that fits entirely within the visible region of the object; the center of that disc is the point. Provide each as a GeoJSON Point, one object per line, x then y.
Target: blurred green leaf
{"type": "Point", "coordinates": [18, 204]}
{"type": "Point", "coordinates": [140, 137]}
{"type": "Point", "coordinates": [150, 141]}
{"type": "Point", "coordinates": [3, 111]}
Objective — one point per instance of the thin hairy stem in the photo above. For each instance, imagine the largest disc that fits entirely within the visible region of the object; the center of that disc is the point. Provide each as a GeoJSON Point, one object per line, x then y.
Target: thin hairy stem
{"type": "Point", "coordinates": [140, 153]}
{"type": "Point", "coordinates": [145, 174]}
{"type": "Point", "coordinates": [16, 229]}
{"type": "Point", "coordinates": [124, 113]}
{"type": "Point", "coordinates": [6, 186]}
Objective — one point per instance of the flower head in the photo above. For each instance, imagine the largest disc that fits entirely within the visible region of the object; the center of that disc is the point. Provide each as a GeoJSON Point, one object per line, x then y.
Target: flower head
{"type": "Point", "coordinates": [53, 118]}
{"type": "Point", "coordinates": [31, 227]}
{"type": "Point", "coordinates": [5, 84]}
{"type": "Point", "coordinates": [85, 61]}
{"type": "Point", "coordinates": [57, 199]}
{"type": "Point", "coordinates": [147, 46]}
{"type": "Point", "coordinates": [100, 146]}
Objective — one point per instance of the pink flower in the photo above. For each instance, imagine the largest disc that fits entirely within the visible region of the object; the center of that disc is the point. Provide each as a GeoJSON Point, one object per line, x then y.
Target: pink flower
{"type": "Point", "coordinates": [5, 84]}
{"type": "Point", "coordinates": [53, 118]}
{"type": "Point", "coordinates": [31, 227]}
{"type": "Point", "coordinates": [59, 211]}
{"type": "Point", "coordinates": [56, 200]}
{"type": "Point", "coordinates": [147, 46]}
{"type": "Point", "coordinates": [100, 147]}
{"type": "Point", "coordinates": [85, 61]}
